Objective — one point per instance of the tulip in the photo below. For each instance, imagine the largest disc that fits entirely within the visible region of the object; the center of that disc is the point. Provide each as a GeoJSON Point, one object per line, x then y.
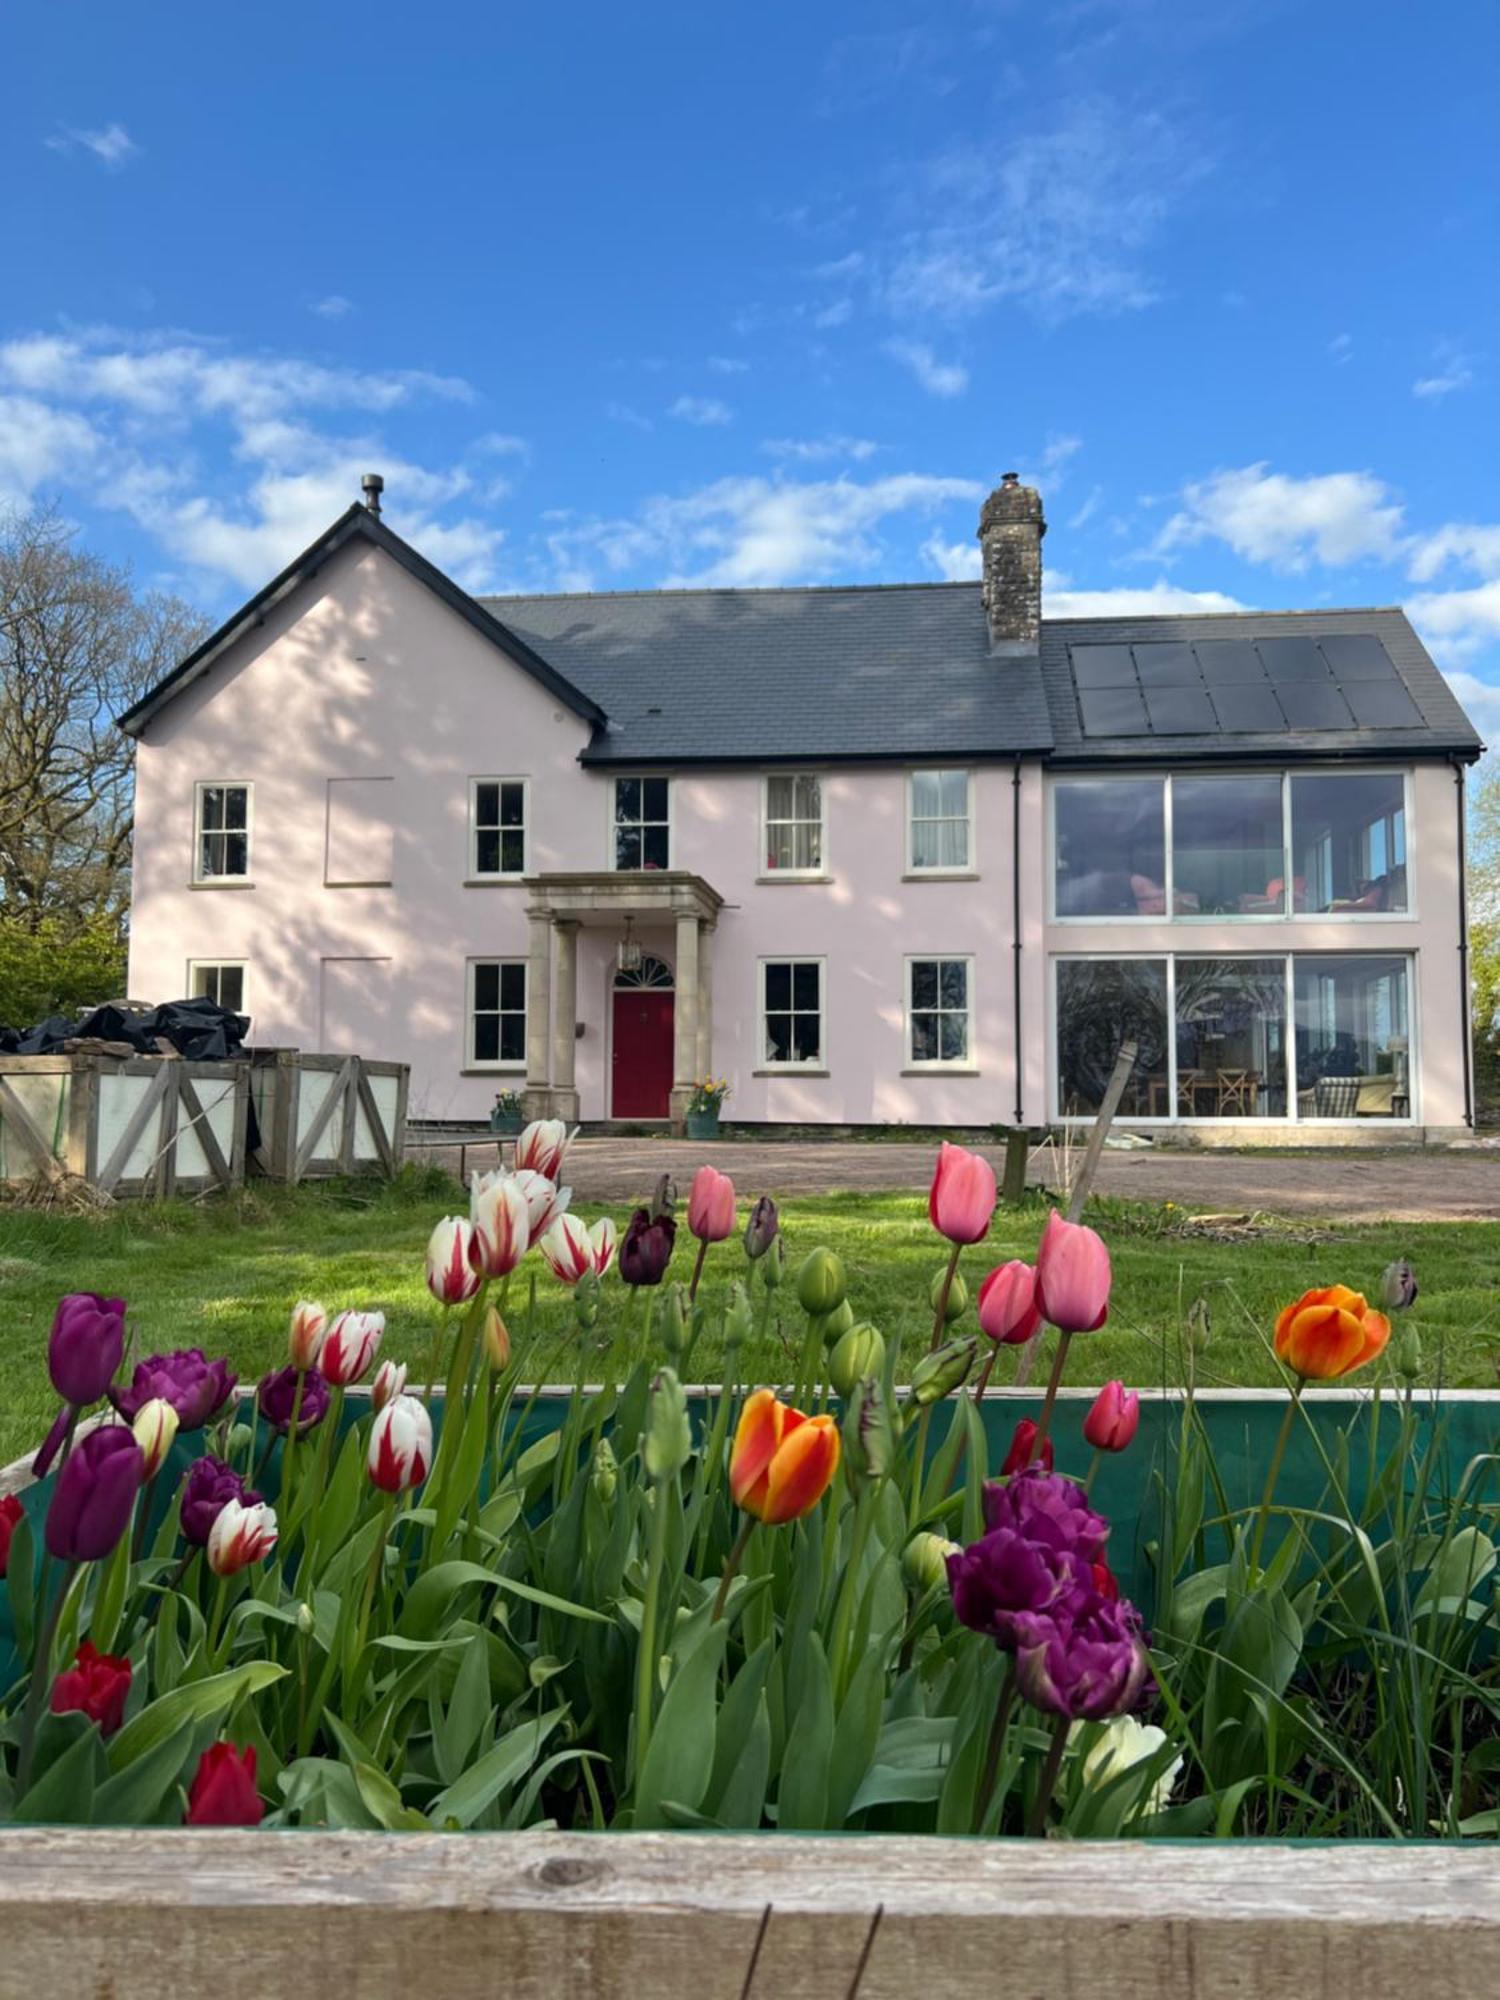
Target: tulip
{"type": "Point", "coordinates": [646, 1247]}
{"type": "Point", "coordinates": [1022, 1445]}
{"type": "Point", "coordinates": [350, 1347]}
{"type": "Point", "coordinates": [544, 1199]}
{"type": "Point", "coordinates": [604, 1472]}
{"type": "Point", "coordinates": [210, 1485]}
{"type": "Point", "coordinates": [500, 1218]}
{"type": "Point", "coordinates": [1119, 1747]}
{"type": "Point", "coordinates": [604, 1238]}
{"type": "Point", "coordinates": [305, 1338]}
{"type": "Point", "coordinates": [240, 1536]}
{"type": "Point", "coordinates": [1328, 1333]}
{"type": "Point", "coordinates": [869, 1438]}
{"type": "Point", "coordinates": [831, 1327]}
{"type": "Point", "coordinates": [938, 1374]}
{"type": "Point", "coordinates": [223, 1789]}
{"type": "Point", "coordinates": [12, 1513]}
{"type": "Point", "coordinates": [400, 1452]}
{"type": "Point", "coordinates": [924, 1561]}
{"type": "Point", "coordinates": [543, 1146]}
{"type": "Point", "coordinates": [773, 1263]}
{"type": "Point", "coordinates": [667, 1444]}
{"type": "Point", "coordinates": [1114, 1419]}
{"type": "Point", "coordinates": [821, 1281]}
{"type": "Point", "coordinates": [1398, 1286]}
{"type": "Point", "coordinates": [1016, 1590]}
{"type": "Point", "coordinates": [496, 1337]}
{"type": "Point", "coordinates": [951, 1293]}
{"type": "Point", "coordinates": [86, 1346]}
{"type": "Point", "coordinates": [154, 1429]}
{"type": "Point", "coordinates": [1087, 1668]}
{"type": "Point", "coordinates": [761, 1229]}
{"type": "Point", "coordinates": [574, 1251]}
{"type": "Point", "coordinates": [1408, 1353]}
{"type": "Point", "coordinates": [782, 1462]}
{"type": "Point", "coordinates": [1072, 1277]}
{"type": "Point", "coordinates": [711, 1206]}
{"type": "Point", "coordinates": [390, 1382]}
{"type": "Point", "coordinates": [196, 1388]}
{"type": "Point", "coordinates": [963, 1195]}
{"type": "Point", "coordinates": [1105, 1581]}
{"type": "Point", "coordinates": [285, 1390]}
{"type": "Point", "coordinates": [739, 1318]}
{"type": "Point", "coordinates": [94, 1496]}
{"type": "Point", "coordinates": [857, 1353]}
{"type": "Point", "coordinates": [1007, 1304]}
{"type": "Point", "coordinates": [1044, 1507]}
{"type": "Point", "coordinates": [452, 1277]}
{"type": "Point", "coordinates": [96, 1685]}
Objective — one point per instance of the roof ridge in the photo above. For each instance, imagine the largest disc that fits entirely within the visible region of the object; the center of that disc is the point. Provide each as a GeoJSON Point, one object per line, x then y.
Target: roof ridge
{"type": "Point", "coordinates": [734, 590]}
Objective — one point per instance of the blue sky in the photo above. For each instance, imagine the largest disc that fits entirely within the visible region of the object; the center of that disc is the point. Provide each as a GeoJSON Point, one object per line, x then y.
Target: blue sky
{"type": "Point", "coordinates": [625, 296]}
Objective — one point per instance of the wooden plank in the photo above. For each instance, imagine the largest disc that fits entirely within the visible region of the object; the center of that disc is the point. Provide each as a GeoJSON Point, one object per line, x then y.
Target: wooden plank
{"type": "Point", "coordinates": [166, 1135]}
{"type": "Point", "coordinates": [373, 1119]}
{"type": "Point", "coordinates": [31, 1136]}
{"type": "Point", "coordinates": [321, 1116]}
{"type": "Point", "coordinates": [684, 1917]}
{"type": "Point", "coordinates": [349, 1091]}
{"type": "Point", "coordinates": [149, 1105]}
{"type": "Point", "coordinates": [218, 1166]}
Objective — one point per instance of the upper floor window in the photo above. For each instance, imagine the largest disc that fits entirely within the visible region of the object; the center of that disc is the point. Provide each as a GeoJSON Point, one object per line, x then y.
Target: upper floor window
{"type": "Point", "coordinates": [497, 1013]}
{"type": "Point", "coordinates": [940, 836]}
{"type": "Point", "coordinates": [221, 980]}
{"type": "Point", "coordinates": [497, 826]}
{"type": "Point", "coordinates": [937, 1010]}
{"type": "Point", "coordinates": [1230, 845]}
{"type": "Point", "coordinates": [221, 842]}
{"type": "Point", "coordinates": [642, 827]}
{"type": "Point", "coordinates": [794, 823]}
{"type": "Point", "coordinates": [792, 1010]}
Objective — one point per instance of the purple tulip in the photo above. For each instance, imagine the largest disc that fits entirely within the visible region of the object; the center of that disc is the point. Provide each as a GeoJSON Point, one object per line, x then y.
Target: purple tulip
{"type": "Point", "coordinates": [646, 1247]}
{"type": "Point", "coordinates": [195, 1387]}
{"type": "Point", "coordinates": [278, 1397]}
{"type": "Point", "coordinates": [760, 1230]}
{"type": "Point", "coordinates": [95, 1492]}
{"type": "Point", "coordinates": [1012, 1589]}
{"type": "Point", "coordinates": [1088, 1668]}
{"type": "Point", "coordinates": [210, 1484]}
{"type": "Point", "coordinates": [1046, 1508]}
{"type": "Point", "coordinates": [85, 1347]}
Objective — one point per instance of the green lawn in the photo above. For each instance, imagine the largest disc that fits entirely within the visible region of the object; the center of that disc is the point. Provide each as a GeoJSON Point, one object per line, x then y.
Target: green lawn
{"type": "Point", "coordinates": [224, 1275]}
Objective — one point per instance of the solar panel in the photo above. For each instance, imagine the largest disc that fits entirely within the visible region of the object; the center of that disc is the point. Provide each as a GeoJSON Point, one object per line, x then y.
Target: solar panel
{"type": "Point", "coordinates": [1307, 706]}
{"type": "Point", "coordinates": [1248, 710]}
{"type": "Point", "coordinates": [1293, 660]}
{"type": "Point", "coordinates": [1180, 711]}
{"type": "Point", "coordinates": [1358, 656]}
{"type": "Point", "coordinates": [1383, 705]}
{"type": "Point", "coordinates": [1170, 665]}
{"type": "Point", "coordinates": [1103, 666]}
{"type": "Point", "coordinates": [1228, 661]}
{"type": "Point", "coordinates": [1113, 711]}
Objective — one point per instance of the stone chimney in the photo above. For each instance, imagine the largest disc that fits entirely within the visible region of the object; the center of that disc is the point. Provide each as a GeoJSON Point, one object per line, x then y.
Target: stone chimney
{"type": "Point", "coordinates": [1011, 527]}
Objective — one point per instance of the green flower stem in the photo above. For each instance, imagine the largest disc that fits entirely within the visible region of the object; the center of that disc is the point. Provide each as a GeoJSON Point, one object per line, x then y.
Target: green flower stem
{"type": "Point", "coordinates": [984, 1375]}
{"type": "Point", "coordinates": [1048, 1784]}
{"type": "Point", "coordinates": [143, 1508]}
{"type": "Point", "coordinates": [838, 1650]}
{"type": "Point", "coordinates": [1093, 1472]}
{"type": "Point", "coordinates": [646, 1654]}
{"type": "Point", "coordinates": [1054, 1383]}
{"type": "Point", "coordinates": [731, 1566]}
{"type": "Point", "coordinates": [1282, 1438]}
{"type": "Point", "coordinates": [984, 1797]}
{"type": "Point", "coordinates": [434, 1359]}
{"type": "Point", "coordinates": [367, 1597]}
{"type": "Point", "coordinates": [284, 1498]}
{"type": "Point", "coordinates": [940, 1315]}
{"type": "Point", "coordinates": [41, 1678]}
{"type": "Point", "coordinates": [215, 1622]}
{"type": "Point", "coordinates": [919, 1469]}
{"type": "Point", "coordinates": [697, 1270]}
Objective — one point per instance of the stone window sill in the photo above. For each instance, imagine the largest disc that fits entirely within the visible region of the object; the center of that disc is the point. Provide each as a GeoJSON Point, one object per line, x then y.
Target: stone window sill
{"type": "Point", "coordinates": [792, 1069]}
{"type": "Point", "coordinates": [941, 875]}
{"type": "Point", "coordinates": [788, 877]}
{"type": "Point", "coordinates": [375, 882]}
{"type": "Point", "coordinates": [494, 881]}
{"type": "Point", "coordinates": [494, 1069]}
{"type": "Point", "coordinates": [224, 882]}
{"type": "Point", "coordinates": [941, 1069]}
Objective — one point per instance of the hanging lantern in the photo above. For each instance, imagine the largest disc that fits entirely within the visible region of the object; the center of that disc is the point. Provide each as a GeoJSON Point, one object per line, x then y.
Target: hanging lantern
{"type": "Point", "coordinates": [628, 954]}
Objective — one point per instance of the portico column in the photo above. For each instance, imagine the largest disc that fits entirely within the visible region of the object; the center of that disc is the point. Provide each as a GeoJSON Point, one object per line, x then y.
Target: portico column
{"type": "Point", "coordinates": [538, 1098]}
{"type": "Point", "coordinates": [705, 1062]}
{"type": "Point", "coordinates": [565, 1022]}
{"type": "Point", "coordinates": [684, 1017]}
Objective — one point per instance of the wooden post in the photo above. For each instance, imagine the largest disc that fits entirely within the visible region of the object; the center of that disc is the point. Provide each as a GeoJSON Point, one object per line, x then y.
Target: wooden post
{"type": "Point", "coordinates": [1017, 1153]}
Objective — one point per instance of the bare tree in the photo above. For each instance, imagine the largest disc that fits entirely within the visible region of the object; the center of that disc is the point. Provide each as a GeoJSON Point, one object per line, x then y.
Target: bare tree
{"type": "Point", "coordinates": [77, 646]}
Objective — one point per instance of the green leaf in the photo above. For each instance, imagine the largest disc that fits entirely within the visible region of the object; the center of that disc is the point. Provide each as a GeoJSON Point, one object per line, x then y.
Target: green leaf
{"type": "Point", "coordinates": [679, 1761]}
{"type": "Point", "coordinates": [1464, 1562]}
{"type": "Point", "coordinates": [64, 1794]}
{"type": "Point", "coordinates": [467, 1713]}
{"type": "Point", "coordinates": [20, 1583]}
{"type": "Point", "coordinates": [132, 1797]}
{"type": "Point", "coordinates": [109, 1597]}
{"type": "Point", "coordinates": [742, 1802]}
{"type": "Point", "coordinates": [736, 1716]}
{"type": "Point", "coordinates": [461, 1477]}
{"type": "Point", "coordinates": [802, 1800]}
{"type": "Point", "coordinates": [384, 1803]}
{"type": "Point", "coordinates": [503, 1766]}
{"type": "Point", "coordinates": [856, 1733]}
{"type": "Point", "coordinates": [194, 1701]}
{"type": "Point", "coordinates": [515, 1588]}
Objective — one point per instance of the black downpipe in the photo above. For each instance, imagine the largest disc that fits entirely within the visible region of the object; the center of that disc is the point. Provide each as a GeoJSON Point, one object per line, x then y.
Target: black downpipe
{"type": "Point", "coordinates": [1015, 925]}
{"type": "Point", "coordinates": [1466, 1022]}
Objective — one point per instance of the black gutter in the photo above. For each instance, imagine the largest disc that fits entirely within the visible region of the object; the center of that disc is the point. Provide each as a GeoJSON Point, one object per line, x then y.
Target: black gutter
{"type": "Point", "coordinates": [1466, 1022]}
{"type": "Point", "coordinates": [1015, 924]}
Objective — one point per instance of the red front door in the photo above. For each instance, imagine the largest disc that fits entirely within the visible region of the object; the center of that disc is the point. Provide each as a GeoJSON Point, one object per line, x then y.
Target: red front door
{"type": "Point", "coordinates": [642, 1082]}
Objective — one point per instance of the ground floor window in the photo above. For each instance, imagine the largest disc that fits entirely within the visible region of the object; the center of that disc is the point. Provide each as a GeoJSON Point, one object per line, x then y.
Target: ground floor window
{"type": "Point", "coordinates": [937, 1011]}
{"type": "Point", "coordinates": [221, 980]}
{"type": "Point", "coordinates": [1295, 1035]}
{"type": "Point", "coordinates": [792, 1010]}
{"type": "Point", "coordinates": [497, 1013]}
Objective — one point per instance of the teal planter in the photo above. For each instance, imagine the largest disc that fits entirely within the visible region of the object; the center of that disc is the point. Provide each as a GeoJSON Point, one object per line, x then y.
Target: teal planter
{"type": "Point", "coordinates": [703, 1124]}
{"type": "Point", "coordinates": [506, 1124]}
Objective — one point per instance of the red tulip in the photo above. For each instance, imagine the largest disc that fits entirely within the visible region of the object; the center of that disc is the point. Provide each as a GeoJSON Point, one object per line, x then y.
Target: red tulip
{"type": "Point", "coordinates": [962, 1198]}
{"type": "Point", "coordinates": [95, 1685]}
{"type": "Point", "coordinates": [711, 1206]}
{"type": "Point", "coordinates": [11, 1511]}
{"type": "Point", "coordinates": [1112, 1422]}
{"type": "Point", "coordinates": [1072, 1277]}
{"type": "Point", "coordinates": [1007, 1304]}
{"type": "Point", "coordinates": [1105, 1582]}
{"type": "Point", "coordinates": [223, 1790]}
{"type": "Point", "coordinates": [1022, 1445]}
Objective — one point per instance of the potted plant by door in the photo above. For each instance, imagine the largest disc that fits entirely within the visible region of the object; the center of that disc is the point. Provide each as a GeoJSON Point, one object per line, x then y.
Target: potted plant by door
{"type": "Point", "coordinates": [507, 1115]}
{"type": "Point", "coordinates": [704, 1106]}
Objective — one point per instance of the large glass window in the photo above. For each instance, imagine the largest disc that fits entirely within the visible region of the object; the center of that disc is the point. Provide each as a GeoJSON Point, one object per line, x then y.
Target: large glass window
{"type": "Point", "coordinates": [1231, 1037]}
{"type": "Point", "coordinates": [1349, 839]}
{"type": "Point", "coordinates": [940, 837]}
{"type": "Point", "coordinates": [1353, 1037]}
{"type": "Point", "coordinates": [938, 1010]}
{"type": "Point", "coordinates": [1100, 1002]}
{"type": "Point", "coordinates": [792, 1010]}
{"type": "Point", "coordinates": [794, 823]}
{"type": "Point", "coordinates": [1227, 847]}
{"type": "Point", "coordinates": [1111, 847]}
{"type": "Point", "coordinates": [642, 829]}
{"type": "Point", "coordinates": [497, 1012]}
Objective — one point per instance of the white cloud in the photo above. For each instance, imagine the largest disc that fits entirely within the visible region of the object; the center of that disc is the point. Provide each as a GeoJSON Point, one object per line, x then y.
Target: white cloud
{"type": "Point", "coordinates": [1479, 698]}
{"type": "Point", "coordinates": [838, 313]}
{"type": "Point", "coordinates": [1159, 599]}
{"type": "Point", "coordinates": [808, 450]}
{"type": "Point", "coordinates": [1471, 545]}
{"type": "Point", "coordinates": [333, 307]}
{"type": "Point", "coordinates": [1089, 509]}
{"type": "Point", "coordinates": [1453, 371]}
{"type": "Point", "coordinates": [112, 145]}
{"type": "Point", "coordinates": [706, 412]}
{"type": "Point", "coordinates": [42, 447]}
{"type": "Point", "coordinates": [1458, 622]}
{"type": "Point", "coordinates": [1287, 522]}
{"type": "Point", "coordinates": [1341, 348]}
{"type": "Point", "coordinates": [627, 413]}
{"type": "Point", "coordinates": [955, 562]}
{"type": "Point", "coordinates": [938, 378]}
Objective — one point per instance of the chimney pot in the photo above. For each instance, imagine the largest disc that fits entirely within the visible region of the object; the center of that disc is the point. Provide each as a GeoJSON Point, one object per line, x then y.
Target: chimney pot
{"type": "Point", "coordinates": [1011, 527]}
{"type": "Point", "coordinates": [373, 486]}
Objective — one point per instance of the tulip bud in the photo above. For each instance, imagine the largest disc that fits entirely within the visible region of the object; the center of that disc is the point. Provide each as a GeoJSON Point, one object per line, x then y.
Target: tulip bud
{"type": "Point", "coordinates": [1114, 1419]}
{"type": "Point", "coordinates": [1409, 1352]}
{"type": "Point", "coordinates": [761, 1229]}
{"type": "Point", "coordinates": [958, 1295]}
{"type": "Point", "coordinates": [305, 1338]}
{"type": "Point", "coordinates": [674, 1331]}
{"type": "Point", "coordinates": [305, 1619]}
{"type": "Point", "coordinates": [668, 1443]}
{"type": "Point", "coordinates": [1023, 1450]}
{"type": "Point", "coordinates": [389, 1383]}
{"type": "Point", "coordinates": [832, 1326]}
{"type": "Point", "coordinates": [857, 1353]}
{"type": "Point", "coordinates": [586, 1301]}
{"type": "Point", "coordinates": [869, 1440]}
{"type": "Point", "coordinates": [821, 1283]}
{"type": "Point", "coordinates": [604, 1474]}
{"type": "Point", "coordinates": [739, 1319]}
{"type": "Point", "coordinates": [1398, 1286]}
{"type": "Point", "coordinates": [496, 1337]}
{"type": "Point", "coordinates": [924, 1562]}
{"type": "Point", "coordinates": [773, 1263]}
{"type": "Point", "coordinates": [938, 1374]}
{"type": "Point", "coordinates": [1199, 1330]}
{"type": "Point", "coordinates": [240, 1536]}
{"type": "Point", "coordinates": [154, 1429]}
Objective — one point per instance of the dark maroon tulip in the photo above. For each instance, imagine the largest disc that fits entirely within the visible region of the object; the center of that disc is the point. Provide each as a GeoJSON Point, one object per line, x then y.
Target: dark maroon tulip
{"type": "Point", "coordinates": [760, 1230]}
{"type": "Point", "coordinates": [278, 1396]}
{"type": "Point", "coordinates": [95, 1492]}
{"type": "Point", "coordinates": [86, 1346]}
{"type": "Point", "coordinates": [1087, 1668]}
{"type": "Point", "coordinates": [195, 1387]}
{"type": "Point", "coordinates": [209, 1485]}
{"type": "Point", "coordinates": [646, 1247]}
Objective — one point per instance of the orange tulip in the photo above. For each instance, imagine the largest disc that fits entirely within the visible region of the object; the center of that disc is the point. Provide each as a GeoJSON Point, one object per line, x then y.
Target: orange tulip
{"type": "Point", "coordinates": [783, 1462]}
{"type": "Point", "coordinates": [1329, 1333]}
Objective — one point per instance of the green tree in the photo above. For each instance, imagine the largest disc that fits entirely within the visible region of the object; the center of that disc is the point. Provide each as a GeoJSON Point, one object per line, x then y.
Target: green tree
{"type": "Point", "coordinates": [1484, 939]}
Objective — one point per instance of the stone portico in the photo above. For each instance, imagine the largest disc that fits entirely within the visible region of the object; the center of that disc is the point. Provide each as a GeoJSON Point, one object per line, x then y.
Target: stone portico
{"type": "Point", "coordinates": [558, 907]}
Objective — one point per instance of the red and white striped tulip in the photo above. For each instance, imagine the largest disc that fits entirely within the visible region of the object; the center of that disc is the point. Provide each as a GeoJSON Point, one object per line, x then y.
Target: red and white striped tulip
{"type": "Point", "coordinates": [155, 1427]}
{"type": "Point", "coordinates": [389, 1383]}
{"type": "Point", "coordinates": [500, 1217]}
{"type": "Point", "coordinates": [240, 1536]}
{"type": "Point", "coordinates": [350, 1347]}
{"type": "Point", "coordinates": [451, 1276]}
{"type": "Point", "coordinates": [305, 1340]}
{"type": "Point", "coordinates": [400, 1451]}
{"type": "Point", "coordinates": [543, 1147]}
{"type": "Point", "coordinates": [545, 1200]}
{"type": "Point", "coordinates": [573, 1250]}
{"type": "Point", "coordinates": [604, 1237]}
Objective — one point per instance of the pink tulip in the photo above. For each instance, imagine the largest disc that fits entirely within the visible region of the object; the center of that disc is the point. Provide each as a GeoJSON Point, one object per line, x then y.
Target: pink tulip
{"type": "Point", "coordinates": [1007, 1304]}
{"type": "Point", "coordinates": [451, 1276]}
{"type": "Point", "coordinates": [350, 1347]}
{"type": "Point", "coordinates": [963, 1194]}
{"type": "Point", "coordinates": [711, 1206]}
{"type": "Point", "coordinates": [543, 1146]}
{"type": "Point", "coordinates": [500, 1218]}
{"type": "Point", "coordinates": [240, 1536]}
{"type": "Point", "coordinates": [1112, 1422]}
{"type": "Point", "coordinates": [1072, 1277]}
{"type": "Point", "coordinates": [305, 1340]}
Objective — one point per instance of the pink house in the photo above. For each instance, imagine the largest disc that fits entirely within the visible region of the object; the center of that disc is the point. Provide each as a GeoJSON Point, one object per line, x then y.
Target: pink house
{"type": "Point", "coordinates": [907, 854]}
